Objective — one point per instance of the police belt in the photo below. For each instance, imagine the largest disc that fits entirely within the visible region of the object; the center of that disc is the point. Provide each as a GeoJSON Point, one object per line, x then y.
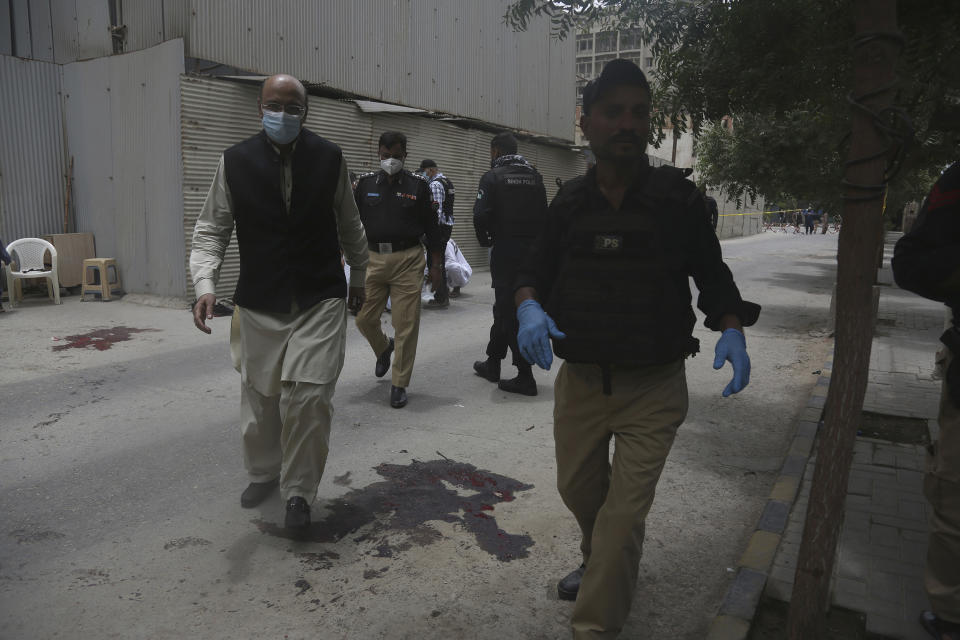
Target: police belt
{"type": "Point", "coordinates": [393, 247]}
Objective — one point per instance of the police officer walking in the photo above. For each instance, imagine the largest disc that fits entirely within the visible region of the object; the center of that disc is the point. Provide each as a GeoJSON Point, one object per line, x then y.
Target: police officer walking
{"type": "Point", "coordinates": [612, 267]}
{"type": "Point", "coordinates": [509, 212]}
{"type": "Point", "coordinates": [443, 197]}
{"type": "Point", "coordinates": [396, 210]}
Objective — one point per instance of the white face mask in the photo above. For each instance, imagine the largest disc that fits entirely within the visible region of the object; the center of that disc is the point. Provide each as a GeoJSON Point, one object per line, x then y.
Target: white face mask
{"type": "Point", "coordinates": [391, 166]}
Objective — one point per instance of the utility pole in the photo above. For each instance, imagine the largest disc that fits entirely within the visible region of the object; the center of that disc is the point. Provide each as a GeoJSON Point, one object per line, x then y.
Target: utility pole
{"type": "Point", "coordinates": [876, 48]}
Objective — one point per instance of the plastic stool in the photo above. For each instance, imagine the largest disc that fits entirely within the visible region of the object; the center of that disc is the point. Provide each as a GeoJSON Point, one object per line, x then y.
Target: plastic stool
{"type": "Point", "coordinates": [100, 266]}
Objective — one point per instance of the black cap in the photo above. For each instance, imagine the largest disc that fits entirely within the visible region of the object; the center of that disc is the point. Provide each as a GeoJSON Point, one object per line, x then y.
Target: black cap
{"type": "Point", "coordinates": [427, 164]}
{"type": "Point", "coordinates": [615, 73]}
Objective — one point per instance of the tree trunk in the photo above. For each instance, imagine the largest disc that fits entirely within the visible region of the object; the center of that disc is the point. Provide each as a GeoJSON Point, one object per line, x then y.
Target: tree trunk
{"type": "Point", "coordinates": [856, 273]}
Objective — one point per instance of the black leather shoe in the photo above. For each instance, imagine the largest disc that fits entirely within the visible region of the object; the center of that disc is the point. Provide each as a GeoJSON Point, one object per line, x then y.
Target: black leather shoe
{"type": "Point", "coordinates": [568, 588]}
{"type": "Point", "coordinates": [383, 361]}
{"type": "Point", "coordinates": [520, 384]}
{"type": "Point", "coordinates": [489, 369]}
{"type": "Point", "coordinates": [398, 397]}
{"type": "Point", "coordinates": [257, 492]}
{"type": "Point", "coordinates": [298, 514]}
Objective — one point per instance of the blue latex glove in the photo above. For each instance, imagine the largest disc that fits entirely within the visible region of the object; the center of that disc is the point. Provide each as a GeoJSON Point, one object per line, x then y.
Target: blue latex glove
{"type": "Point", "coordinates": [533, 336]}
{"type": "Point", "coordinates": [732, 346]}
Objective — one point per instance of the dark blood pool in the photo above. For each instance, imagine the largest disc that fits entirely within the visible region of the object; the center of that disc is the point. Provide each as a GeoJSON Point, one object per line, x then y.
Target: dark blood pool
{"type": "Point", "coordinates": [101, 339]}
{"type": "Point", "coordinates": [396, 512]}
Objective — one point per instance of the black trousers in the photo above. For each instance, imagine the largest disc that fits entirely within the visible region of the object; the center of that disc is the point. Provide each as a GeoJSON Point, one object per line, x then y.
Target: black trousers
{"type": "Point", "coordinates": [444, 292]}
{"type": "Point", "coordinates": [503, 332]}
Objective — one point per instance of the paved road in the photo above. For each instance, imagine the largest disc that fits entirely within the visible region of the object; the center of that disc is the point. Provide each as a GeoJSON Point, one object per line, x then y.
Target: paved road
{"type": "Point", "coordinates": [120, 476]}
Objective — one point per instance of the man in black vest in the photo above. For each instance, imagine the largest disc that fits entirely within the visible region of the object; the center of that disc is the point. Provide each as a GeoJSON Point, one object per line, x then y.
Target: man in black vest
{"type": "Point", "coordinates": [396, 208]}
{"type": "Point", "coordinates": [287, 193]}
{"type": "Point", "coordinates": [612, 267]}
{"type": "Point", "coordinates": [508, 213]}
{"type": "Point", "coordinates": [444, 195]}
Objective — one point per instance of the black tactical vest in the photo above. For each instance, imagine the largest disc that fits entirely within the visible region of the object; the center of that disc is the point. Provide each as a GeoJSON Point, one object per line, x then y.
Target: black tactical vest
{"type": "Point", "coordinates": [616, 295]}
{"type": "Point", "coordinates": [520, 205]}
{"type": "Point", "coordinates": [285, 255]}
{"type": "Point", "coordinates": [449, 193]}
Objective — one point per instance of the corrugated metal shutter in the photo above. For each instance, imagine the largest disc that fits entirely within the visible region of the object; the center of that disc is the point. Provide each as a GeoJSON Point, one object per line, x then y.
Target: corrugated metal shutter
{"type": "Point", "coordinates": [214, 114]}
{"type": "Point", "coordinates": [31, 158]}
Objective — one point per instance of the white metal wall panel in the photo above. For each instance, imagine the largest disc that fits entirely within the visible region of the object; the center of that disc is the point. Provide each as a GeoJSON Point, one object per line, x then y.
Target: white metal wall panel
{"type": "Point", "coordinates": [6, 41]}
{"type": "Point", "coordinates": [31, 157]}
{"type": "Point", "coordinates": [453, 56]}
{"type": "Point", "coordinates": [66, 30]}
{"type": "Point", "coordinates": [20, 28]}
{"type": "Point", "coordinates": [123, 122]}
{"type": "Point", "coordinates": [93, 29]}
{"type": "Point", "coordinates": [144, 22]}
{"type": "Point", "coordinates": [41, 30]}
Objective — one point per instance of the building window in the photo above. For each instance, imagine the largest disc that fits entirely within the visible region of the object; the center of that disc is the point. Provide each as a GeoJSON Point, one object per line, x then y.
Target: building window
{"type": "Point", "coordinates": [602, 60]}
{"type": "Point", "coordinates": [631, 39]}
{"type": "Point", "coordinates": [648, 62]}
{"type": "Point", "coordinates": [637, 60]}
{"type": "Point", "coordinates": [585, 67]}
{"type": "Point", "coordinates": [584, 42]}
{"type": "Point", "coordinates": [606, 41]}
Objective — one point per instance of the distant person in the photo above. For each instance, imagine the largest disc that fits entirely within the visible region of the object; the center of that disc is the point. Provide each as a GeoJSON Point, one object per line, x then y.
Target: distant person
{"type": "Point", "coordinates": [809, 218]}
{"type": "Point", "coordinates": [396, 208]}
{"type": "Point", "coordinates": [6, 259]}
{"type": "Point", "coordinates": [926, 261]}
{"type": "Point", "coordinates": [291, 298]}
{"type": "Point", "coordinates": [443, 197]}
{"type": "Point", "coordinates": [508, 213]}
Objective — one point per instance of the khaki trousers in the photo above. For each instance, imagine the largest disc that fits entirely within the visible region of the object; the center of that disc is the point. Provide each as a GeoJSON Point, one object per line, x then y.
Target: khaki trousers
{"type": "Point", "coordinates": [611, 502]}
{"type": "Point", "coordinates": [289, 364]}
{"type": "Point", "coordinates": [398, 276]}
{"type": "Point", "coordinates": [941, 485]}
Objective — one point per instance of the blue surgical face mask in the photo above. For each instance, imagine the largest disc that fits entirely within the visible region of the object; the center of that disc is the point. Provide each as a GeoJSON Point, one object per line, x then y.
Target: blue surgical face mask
{"type": "Point", "coordinates": [281, 127]}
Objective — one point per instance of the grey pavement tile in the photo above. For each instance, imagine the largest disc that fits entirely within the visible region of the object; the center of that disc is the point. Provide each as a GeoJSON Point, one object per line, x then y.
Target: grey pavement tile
{"type": "Point", "coordinates": [909, 461]}
{"type": "Point", "coordinates": [856, 520]}
{"type": "Point", "coordinates": [884, 535]}
{"type": "Point", "coordinates": [859, 485]}
{"type": "Point", "coordinates": [774, 516]}
{"type": "Point", "coordinates": [912, 510]}
{"type": "Point", "coordinates": [899, 523]}
{"type": "Point", "coordinates": [848, 585]}
{"type": "Point", "coordinates": [915, 536]}
{"type": "Point", "coordinates": [778, 589]}
{"type": "Point", "coordinates": [849, 601]}
{"type": "Point", "coordinates": [913, 552]}
{"type": "Point", "coordinates": [885, 625]}
{"type": "Point", "coordinates": [871, 469]}
{"type": "Point", "coordinates": [885, 586]}
{"type": "Point", "coordinates": [744, 594]}
{"type": "Point", "coordinates": [910, 478]}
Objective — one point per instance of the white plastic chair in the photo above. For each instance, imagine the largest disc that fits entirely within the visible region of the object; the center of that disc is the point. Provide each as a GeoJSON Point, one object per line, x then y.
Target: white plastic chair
{"type": "Point", "coordinates": [27, 254]}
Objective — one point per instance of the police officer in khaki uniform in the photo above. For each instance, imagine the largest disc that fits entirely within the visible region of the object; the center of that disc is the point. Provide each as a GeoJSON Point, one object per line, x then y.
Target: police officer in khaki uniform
{"type": "Point", "coordinates": [396, 208]}
{"type": "Point", "coordinates": [926, 261]}
{"type": "Point", "coordinates": [612, 267]}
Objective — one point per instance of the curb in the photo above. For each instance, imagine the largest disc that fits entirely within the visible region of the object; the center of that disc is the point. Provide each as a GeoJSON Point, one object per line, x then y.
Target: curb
{"type": "Point", "coordinates": [740, 603]}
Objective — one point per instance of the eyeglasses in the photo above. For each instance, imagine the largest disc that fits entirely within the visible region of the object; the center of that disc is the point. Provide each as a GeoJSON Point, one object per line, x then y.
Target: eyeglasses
{"type": "Point", "coordinates": [293, 109]}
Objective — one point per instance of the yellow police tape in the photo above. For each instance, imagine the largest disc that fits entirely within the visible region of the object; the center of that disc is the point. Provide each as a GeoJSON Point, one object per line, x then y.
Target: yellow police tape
{"type": "Point", "coordinates": [756, 213]}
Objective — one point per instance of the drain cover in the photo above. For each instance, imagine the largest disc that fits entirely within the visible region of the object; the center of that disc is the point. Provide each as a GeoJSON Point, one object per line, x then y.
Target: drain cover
{"type": "Point", "coordinates": [882, 426]}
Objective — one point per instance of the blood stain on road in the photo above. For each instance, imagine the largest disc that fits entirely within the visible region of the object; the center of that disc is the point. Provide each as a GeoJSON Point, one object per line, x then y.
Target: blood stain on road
{"type": "Point", "coordinates": [410, 496]}
{"type": "Point", "coordinates": [100, 339]}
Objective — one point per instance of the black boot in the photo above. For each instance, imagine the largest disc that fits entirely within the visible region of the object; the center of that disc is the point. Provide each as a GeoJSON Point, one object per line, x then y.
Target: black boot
{"type": "Point", "coordinates": [383, 361]}
{"type": "Point", "coordinates": [569, 587]}
{"type": "Point", "coordinates": [257, 492]}
{"type": "Point", "coordinates": [298, 515]}
{"type": "Point", "coordinates": [489, 369]}
{"type": "Point", "coordinates": [523, 383]}
{"type": "Point", "coordinates": [398, 397]}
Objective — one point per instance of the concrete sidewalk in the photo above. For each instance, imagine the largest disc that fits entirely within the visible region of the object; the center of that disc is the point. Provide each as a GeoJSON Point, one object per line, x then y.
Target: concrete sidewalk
{"type": "Point", "coordinates": [879, 571]}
